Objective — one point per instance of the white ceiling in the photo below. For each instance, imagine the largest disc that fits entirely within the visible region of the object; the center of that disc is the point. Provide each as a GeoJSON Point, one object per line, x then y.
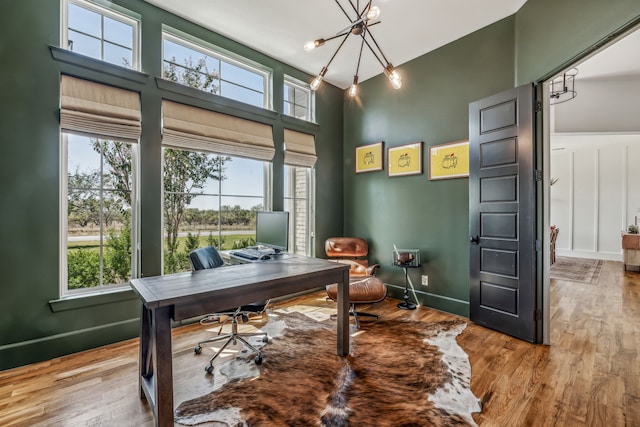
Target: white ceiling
{"type": "Point", "coordinates": [279, 28]}
{"type": "Point", "coordinates": [617, 60]}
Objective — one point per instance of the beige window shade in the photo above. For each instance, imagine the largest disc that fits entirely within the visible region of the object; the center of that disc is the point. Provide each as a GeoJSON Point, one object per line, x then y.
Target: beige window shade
{"type": "Point", "coordinates": [99, 110]}
{"type": "Point", "coordinates": [300, 149]}
{"type": "Point", "coordinates": [194, 128]}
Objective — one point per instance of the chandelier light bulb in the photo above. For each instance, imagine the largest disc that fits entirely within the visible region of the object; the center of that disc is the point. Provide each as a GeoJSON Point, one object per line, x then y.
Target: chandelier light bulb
{"type": "Point", "coordinates": [353, 90]}
{"type": "Point", "coordinates": [393, 76]}
{"type": "Point", "coordinates": [315, 84]}
{"type": "Point", "coordinates": [312, 44]}
{"type": "Point", "coordinates": [373, 13]}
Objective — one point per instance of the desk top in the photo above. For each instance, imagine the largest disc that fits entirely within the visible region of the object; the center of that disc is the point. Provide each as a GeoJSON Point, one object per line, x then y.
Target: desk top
{"type": "Point", "coordinates": [235, 285]}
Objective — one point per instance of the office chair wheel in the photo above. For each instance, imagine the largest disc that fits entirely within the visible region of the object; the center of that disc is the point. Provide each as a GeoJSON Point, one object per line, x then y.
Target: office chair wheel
{"type": "Point", "coordinates": [258, 359]}
{"type": "Point", "coordinates": [209, 369]}
{"type": "Point", "coordinates": [265, 339]}
{"type": "Point", "coordinates": [197, 350]}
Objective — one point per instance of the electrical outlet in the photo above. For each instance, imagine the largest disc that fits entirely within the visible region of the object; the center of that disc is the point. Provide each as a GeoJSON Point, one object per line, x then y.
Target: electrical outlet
{"type": "Point", "coordinates": [425, 280]}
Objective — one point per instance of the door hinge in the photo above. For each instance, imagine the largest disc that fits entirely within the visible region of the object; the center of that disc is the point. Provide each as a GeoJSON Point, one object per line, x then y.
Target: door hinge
{"type": "Point", "coordinates": [538, 314]}
{"type": "Point", "coordinates": [538, 175]}
{"type": "Point", "coordinates": [538, 245]}
{"type": "Point", "coordinates": [538, 106]}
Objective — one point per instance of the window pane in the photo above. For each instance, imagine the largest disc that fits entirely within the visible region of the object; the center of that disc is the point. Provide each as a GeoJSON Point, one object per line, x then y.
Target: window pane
{"type": "Point", "coordinates": [193, 202]}
{"type": "Point", "coordinates": [241, 76]}
{"type": "Point", "coordinates": [99, 201]}
{"type": "Point", "coordinates": [209, 72]}
{"type": "Point", "coordinates": [118, 55]}
{"type": "Point", "coordinates": [118, 32]}
{"type": "Point", "coordinates": [243, 177]}
{"type": "Point", "coordinates": [85, 45]}
{"type": "Point", "coordinates": [81, 155]}
{"type": "Point", "coordinates": [301, 98]}
{"type": "Point", "coordinates": [288, 108]}
{"type": "Point", "coordinates": [84, 20]}
{"type": "Point", "coordinates": [230, 90]}
{"type": "Point", "coordinates": [301, 112]}
{"type": "Point", "coordinates": [288, 93]}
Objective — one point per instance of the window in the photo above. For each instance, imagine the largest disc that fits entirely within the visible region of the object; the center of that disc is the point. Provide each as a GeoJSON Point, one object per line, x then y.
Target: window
{"type": "Point", "coordinates": [209, 200]}
{"type": "Point", "coordinates": [206, 69]}
{"type": "Point", "coordinates": [298, 201]}
{"type": "Point", "coordinates": [98, 204]}
{"type": "Point", "coordinates": [105, 34]}
{"type": "Point", "coordinates": [298, 100]}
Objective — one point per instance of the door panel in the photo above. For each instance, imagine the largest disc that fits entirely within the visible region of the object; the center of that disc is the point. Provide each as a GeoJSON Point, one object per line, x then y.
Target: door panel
{"type": "Point", "coordinates": [502, 212]}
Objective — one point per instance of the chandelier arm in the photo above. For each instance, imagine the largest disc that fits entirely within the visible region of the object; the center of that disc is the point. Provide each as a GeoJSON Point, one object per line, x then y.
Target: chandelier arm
{"type": "Point", "coordinates": [377, 45]}
{"type": "Point", "coordinates": [366, 9]}
{"type": "Point", "coordinates": [337, 50]}
{"type": "Point", "coordinates": [359, 57]}
{"type": "Point", "coordinates": [372, 51]}
{"type": "Point", "coordinates": [355, 9]}
{"type": "Point", "coordinates": [341, 33]}
{"type": "Point", "coordinates": [344, 11]}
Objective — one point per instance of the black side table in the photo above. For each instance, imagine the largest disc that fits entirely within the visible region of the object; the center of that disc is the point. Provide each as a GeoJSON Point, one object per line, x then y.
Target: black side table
{"type": "Point", "coordinates": [406, 305]}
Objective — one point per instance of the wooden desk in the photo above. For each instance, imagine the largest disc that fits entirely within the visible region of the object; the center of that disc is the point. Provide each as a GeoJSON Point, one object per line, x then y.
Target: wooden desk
{"type": "Point", "coordinates": [185, 295]}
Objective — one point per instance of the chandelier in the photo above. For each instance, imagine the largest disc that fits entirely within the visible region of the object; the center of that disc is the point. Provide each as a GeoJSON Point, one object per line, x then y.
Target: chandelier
{"type": "Point", "coordinates": [359, 26]}
{"type": "Point", "coordinates": [563, 87]}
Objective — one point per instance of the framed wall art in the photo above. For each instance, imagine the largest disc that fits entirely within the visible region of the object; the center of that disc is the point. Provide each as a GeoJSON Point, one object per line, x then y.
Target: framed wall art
{"type": "Point", "coordinates": [450, 160]}
{"type": "Point", "coordinates": [369, 157]}
{"type": "Point", "coordinates": [405, 159]}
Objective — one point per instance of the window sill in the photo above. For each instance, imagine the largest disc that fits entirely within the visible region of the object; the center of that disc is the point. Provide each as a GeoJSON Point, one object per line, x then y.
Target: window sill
{"type": "Point", "coordinates": [180, 93]}
{"type": "Point", "coordinates": [89, 300]}
{"type": "Point", "coordinates": [299, 124]}
{"type": "Point", "coordinates": [84, 67]}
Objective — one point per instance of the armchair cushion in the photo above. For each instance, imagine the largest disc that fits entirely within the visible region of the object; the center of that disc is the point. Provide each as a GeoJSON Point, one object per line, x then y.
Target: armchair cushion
{"type": "Point", "coordinates": [362, 290]}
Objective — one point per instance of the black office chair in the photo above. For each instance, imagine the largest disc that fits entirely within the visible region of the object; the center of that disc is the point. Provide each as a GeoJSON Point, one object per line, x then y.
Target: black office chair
{"type": "Point", "coordinates": [209, 257]}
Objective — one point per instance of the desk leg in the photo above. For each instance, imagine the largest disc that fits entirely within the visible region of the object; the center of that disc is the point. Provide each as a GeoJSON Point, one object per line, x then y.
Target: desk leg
{"type": "Point", "coordinates": [343, 315]}
{"type": "Point", "coordinates": [156, 364]}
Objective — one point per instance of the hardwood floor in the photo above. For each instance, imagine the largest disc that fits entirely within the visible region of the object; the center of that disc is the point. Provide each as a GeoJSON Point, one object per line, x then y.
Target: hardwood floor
{"type": "Point", "coordinates": [589, 376]}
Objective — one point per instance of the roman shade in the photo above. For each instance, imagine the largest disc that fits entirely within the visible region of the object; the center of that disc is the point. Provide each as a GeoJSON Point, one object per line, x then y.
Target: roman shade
{"type": "Point", "coordinates": [299, 149]}
{"type": "Point", "coordinates": [99, 110]}
{"type": "Point", "coordinates": [194, 128]}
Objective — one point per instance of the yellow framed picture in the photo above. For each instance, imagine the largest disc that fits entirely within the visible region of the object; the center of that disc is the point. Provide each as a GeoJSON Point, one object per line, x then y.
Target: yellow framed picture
{"type": "Point", "coordinates": [405, 159]}
{"type": "Point", "coordinates": [369, 157]}
{"type": "Point", "coordinates": [450, 160]}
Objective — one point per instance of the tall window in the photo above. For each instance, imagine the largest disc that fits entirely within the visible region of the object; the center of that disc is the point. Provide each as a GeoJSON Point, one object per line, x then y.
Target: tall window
{"type": "Point", "coordinates": [298, 99]}
{"type": "Point", "coordinates": [101, 33]}
{"type": "Point", "coordinates": [100, 213]}
{"type": "Point", "coordinates": [298, 198]}
{"type": "Point", "coordinates": [204, 68]}
{"type": "Point", "coordinates": [209, 200]}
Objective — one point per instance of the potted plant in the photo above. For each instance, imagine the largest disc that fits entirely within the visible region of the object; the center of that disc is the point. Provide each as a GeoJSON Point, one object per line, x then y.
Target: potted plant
{"type": "Point", "coordinates": [632, 229]}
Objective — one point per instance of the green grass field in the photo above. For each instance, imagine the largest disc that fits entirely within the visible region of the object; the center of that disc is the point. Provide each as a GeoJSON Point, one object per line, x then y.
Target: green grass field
{"type": "Point", "coordinates": [227, 242]}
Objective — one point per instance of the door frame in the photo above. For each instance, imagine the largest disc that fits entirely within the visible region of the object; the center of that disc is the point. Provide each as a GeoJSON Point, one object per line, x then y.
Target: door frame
{"type": "Point", "coordinates": [543, 140]}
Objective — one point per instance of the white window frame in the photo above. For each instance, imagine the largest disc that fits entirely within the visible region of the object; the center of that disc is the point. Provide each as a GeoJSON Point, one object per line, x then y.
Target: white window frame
{"type": "Point", "coordinates": [112, 11]}
{"type": "Point", "coordinates": [220, 54]}
{"type": "Point", "coordinates": [311, 97]}
{"type": "Point", "coordinates": [65, 292]}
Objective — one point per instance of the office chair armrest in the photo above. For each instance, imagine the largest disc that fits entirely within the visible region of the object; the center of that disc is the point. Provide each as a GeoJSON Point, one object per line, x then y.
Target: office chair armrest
{"type": "Point", "coordinates": [371, 270]}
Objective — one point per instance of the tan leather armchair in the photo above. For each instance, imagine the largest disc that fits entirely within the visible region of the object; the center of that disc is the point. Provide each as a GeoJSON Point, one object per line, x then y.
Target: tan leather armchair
{"type": "Point", "coordinates": [364, 287]}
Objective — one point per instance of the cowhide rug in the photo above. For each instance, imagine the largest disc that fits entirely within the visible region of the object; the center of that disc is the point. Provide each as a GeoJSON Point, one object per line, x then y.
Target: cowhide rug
{"type": "Point", "coordinates": [398, 373]}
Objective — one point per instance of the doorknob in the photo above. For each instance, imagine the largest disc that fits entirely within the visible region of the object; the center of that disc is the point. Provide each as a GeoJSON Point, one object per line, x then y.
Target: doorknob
{"type": "Point", "coordinates": [475, 239]}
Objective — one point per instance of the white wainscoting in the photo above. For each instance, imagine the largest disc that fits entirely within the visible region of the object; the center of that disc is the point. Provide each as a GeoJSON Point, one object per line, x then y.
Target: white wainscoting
{"type": "Point", "coordinates": [597, 193]}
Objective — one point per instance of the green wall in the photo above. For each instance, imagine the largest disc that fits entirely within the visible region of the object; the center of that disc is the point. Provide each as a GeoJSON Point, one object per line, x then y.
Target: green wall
{"type": "Point", "coordinates": [413, 212]}
{"type": "Point", "coordinates": [34, 326]}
